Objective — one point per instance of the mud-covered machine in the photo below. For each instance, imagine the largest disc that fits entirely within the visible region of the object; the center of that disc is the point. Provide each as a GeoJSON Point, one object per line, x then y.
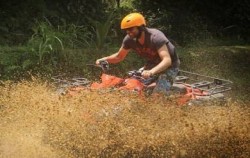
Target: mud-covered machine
{"type": "Point", "coordinates": [190, 87]}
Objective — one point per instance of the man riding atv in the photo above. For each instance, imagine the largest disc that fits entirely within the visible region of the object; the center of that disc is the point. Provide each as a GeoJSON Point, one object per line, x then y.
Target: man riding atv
{"type": "Point", "coordinates": [151, 44]}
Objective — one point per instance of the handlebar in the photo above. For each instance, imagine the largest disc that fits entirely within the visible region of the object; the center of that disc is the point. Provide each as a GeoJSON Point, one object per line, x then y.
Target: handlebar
{"type": "Point", "coordinates": [137, 74]}
{"type": "Point", "coordinates": [104, 65]}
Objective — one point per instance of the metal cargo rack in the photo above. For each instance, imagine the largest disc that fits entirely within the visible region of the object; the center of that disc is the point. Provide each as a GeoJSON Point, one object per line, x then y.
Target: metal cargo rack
{"type": "Point", "coordinates": [207, 84]}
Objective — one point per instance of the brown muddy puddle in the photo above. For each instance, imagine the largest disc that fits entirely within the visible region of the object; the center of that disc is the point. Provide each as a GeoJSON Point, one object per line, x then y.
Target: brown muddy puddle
{"type": "Point", "coordinates": [37, 122]}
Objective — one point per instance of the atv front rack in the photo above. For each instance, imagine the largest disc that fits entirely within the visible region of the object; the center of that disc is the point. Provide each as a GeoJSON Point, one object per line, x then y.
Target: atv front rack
{"type": "Point", "coordinates": [63, 83]}
{"type": "Point", "coordinates": [208, 85]}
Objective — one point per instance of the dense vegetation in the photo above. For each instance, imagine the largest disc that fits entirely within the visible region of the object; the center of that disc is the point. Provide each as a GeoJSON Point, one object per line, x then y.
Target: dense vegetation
{"type": "Point", "coordinates": [49, 36]}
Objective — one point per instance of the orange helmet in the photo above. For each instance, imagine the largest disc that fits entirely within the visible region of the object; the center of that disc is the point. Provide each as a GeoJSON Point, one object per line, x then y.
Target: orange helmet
{"type": "Point", "coordinates": [132, 20]}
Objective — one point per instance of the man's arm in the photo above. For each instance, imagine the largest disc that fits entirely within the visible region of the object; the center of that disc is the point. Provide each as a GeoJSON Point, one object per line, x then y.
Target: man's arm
{"type": "Point", "coordinates": [116, 57]}
{"type": "Point", "coordinates": [163, 65]}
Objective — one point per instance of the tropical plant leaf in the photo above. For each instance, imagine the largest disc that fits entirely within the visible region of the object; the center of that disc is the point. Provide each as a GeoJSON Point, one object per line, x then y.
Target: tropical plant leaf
{"type": "Point", "coordinates": [101, 30]}
{"type": "Point", "coordinates": [27, 64]}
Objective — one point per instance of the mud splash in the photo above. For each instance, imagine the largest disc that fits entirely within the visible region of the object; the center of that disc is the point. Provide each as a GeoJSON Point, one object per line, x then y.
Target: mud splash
{"type": "Point", "coordinates": [37, 122]}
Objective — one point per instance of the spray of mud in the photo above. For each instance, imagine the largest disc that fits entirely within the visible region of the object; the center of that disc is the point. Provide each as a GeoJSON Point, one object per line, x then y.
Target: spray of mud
{"type": "Point", "coordinates": [37, 122]}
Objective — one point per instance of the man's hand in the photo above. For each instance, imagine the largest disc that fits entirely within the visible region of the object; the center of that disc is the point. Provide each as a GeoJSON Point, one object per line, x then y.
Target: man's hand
{"type": "Point", "coordinates": [98, 61]}
{"type": "Point", "coordinates": [147, 73]}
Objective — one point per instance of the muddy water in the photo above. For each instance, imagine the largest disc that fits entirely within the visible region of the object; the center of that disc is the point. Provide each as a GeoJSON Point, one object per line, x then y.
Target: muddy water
{"type": "Point", "coordinates": [37, 122]}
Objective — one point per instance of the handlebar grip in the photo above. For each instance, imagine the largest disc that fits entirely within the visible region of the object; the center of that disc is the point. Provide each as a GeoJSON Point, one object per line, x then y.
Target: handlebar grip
{"type": "Point", "coordinates": [104, 65]}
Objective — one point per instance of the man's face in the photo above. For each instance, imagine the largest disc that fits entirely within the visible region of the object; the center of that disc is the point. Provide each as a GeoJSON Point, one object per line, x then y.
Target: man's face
{"type": "Point", "coordinates": [132, 32]}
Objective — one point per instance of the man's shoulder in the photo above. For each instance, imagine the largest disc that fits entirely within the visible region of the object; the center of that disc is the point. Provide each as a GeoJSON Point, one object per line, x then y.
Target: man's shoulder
{"type": "Point", "coordinates": [154, 31]}
{"type": "Point", "coordinates": [156, 35]}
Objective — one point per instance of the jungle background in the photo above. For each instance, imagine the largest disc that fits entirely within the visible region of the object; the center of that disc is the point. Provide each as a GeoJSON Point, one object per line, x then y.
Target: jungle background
{"type": "Point", "coordinates": [40, 39]}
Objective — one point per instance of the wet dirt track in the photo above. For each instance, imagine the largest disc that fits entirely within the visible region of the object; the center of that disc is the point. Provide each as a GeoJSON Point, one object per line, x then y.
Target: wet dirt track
{"type": "Point", "coordinates": [37, 122]}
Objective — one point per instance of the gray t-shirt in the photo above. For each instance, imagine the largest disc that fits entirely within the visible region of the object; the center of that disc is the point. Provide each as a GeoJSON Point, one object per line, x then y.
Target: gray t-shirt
{"type": "Point", "coordinates": [154, 39]}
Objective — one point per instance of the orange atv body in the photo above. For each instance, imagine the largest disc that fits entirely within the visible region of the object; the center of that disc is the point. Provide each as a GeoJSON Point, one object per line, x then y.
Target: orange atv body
{"type": "Point", "coordinates": [186, 91]}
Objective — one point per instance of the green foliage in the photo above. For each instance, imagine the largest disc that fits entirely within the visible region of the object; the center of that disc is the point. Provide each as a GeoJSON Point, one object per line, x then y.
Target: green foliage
{"type": "Point", "coordinates": [39, 55]}
{"type": "Point", "coordinates": [11, 62]}
{"type": "Point", "coordinates": [191, 18]}
{"type": "Point", "coordinates": [127, 3]}
{"type": "Point", "coordinates": [186, 21]}
{"type": "Point", "coordinates": [227, 18]}
{"type": "Point", "coordinates": [44, 43]}
{"type": "Point", "coordinates": [177, 21]}
{"type": "Point", "coordinates": [17, 18]}
{"type": "Point", "coordinates": [75, 36]}
{"type": "Point", "coordinates": [76, 11]}
{"type": "Point", "coordinates": [44, 52]}
{"type": "Point", "coordinates": [68, 37]}
{"type": "Point", "coordinates": [48, 42]}
{"type": "Point", "coordinates": [101, 30]}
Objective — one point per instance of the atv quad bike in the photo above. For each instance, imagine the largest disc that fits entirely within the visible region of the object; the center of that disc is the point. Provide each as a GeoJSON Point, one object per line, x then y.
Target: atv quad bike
{"type": "Point", "coordinates": [190, 87]}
